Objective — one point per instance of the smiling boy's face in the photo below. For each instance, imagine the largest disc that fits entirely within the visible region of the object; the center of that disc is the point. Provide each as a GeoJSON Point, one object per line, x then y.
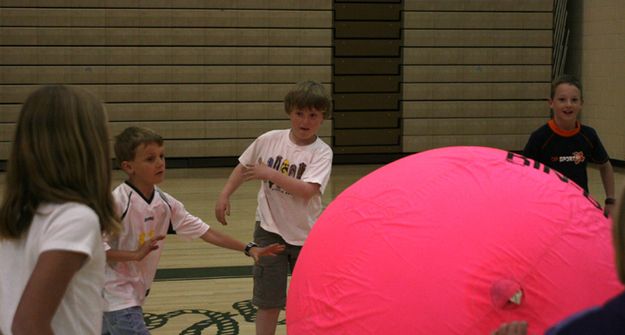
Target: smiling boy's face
{"type": "Point", "coordinates": [147, 168]}
{"type": "Point", "coordinates": [566, 104]}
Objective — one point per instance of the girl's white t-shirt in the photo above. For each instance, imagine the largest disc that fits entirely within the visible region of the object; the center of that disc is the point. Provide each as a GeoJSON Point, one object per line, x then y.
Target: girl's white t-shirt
{"type": "Point", "coordinates": [67, 227]}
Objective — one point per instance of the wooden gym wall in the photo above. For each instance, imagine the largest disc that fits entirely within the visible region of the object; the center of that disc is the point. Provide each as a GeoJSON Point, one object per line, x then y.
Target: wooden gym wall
{"type": "Point", "coordinates": [475, 72]}
{"type": "Point", "coordinates": [367, 76]}
{"type": "Point", "coordinates": [210, 75]}
{"type": "Point", "coordinates": [599, 47]}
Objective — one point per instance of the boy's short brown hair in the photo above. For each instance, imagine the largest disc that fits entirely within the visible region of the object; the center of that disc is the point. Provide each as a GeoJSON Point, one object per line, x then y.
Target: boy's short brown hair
{"type": "Point", "coordinates": [128, 140]}
{"type": "Point", "coordinates": [308, 94]}
{"type": "Point", "coordinates": [566, 79]}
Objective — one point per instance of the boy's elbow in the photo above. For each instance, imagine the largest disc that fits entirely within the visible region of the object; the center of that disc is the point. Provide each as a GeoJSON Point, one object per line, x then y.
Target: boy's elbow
{"type": "Point", "coordinates": [311, 191]}
{"type": "Point", "coordinates": [307, 196]}
{"type": "Point", "coordinates": [607, 166]}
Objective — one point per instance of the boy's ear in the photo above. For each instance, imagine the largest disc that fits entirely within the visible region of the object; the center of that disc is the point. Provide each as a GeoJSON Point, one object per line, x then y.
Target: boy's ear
{"type": "Point", "coordinates": [126, 166]}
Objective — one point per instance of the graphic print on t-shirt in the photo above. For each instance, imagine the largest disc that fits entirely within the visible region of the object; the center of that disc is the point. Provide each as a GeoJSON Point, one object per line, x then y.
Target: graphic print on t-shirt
{"type": "Point", "coordinates": [577, 157]}
{"type": "Point", "coordinates": [142, 237]}
{"type": "Point", "coordinates": [286, 168]}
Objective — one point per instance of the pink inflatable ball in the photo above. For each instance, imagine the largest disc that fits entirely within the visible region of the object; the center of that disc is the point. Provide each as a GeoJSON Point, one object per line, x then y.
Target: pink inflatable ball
{"type": "Point", "coordinates": [452, 241]}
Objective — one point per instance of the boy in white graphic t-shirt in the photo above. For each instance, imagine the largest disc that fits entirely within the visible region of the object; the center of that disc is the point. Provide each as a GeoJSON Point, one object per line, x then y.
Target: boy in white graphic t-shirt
{"type": "Point", "coordinates": [146, 213]}
{"type": "Point", "coordinates": [294, 166]}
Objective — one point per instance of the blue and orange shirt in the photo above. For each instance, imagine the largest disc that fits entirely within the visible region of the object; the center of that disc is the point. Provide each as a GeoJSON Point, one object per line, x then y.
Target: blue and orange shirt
{"type": "Point", "coordinates": [567, 151]}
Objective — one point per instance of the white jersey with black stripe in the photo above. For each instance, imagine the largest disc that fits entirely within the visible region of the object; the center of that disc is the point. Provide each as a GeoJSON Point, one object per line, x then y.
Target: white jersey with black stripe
{"type": "Point", "coordinates": [127, 283]}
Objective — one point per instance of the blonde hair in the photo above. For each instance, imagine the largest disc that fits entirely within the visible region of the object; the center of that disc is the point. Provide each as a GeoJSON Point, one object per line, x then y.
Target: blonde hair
{"type": "Point", "coordinates": [60, 153]}
{"type": "Point", "coordinates": [618, 237]}
{"type": "Point", "coordinates": [308, 94]}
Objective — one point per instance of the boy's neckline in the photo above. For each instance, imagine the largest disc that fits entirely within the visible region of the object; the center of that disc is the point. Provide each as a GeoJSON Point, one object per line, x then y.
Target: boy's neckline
{"type": "Point", "coordinates": [291, 138]}
{"type": "Point", "coordinates": [143, 196]}
{"type": "Point", "coordinates": [565, 133]}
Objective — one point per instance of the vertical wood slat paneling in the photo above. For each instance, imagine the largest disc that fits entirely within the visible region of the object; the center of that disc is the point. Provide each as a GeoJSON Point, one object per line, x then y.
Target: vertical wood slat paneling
{"type": "Point", "coordinates": [367, 77]}
{"type": "Point", "coordinates": [168, 60]}
{"type": "Point", "coordinates": [474, 72]}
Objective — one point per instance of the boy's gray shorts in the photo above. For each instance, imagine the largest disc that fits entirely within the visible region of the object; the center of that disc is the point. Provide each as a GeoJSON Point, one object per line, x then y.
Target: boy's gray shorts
{"type": "Point", "coordinates": [270, 273]}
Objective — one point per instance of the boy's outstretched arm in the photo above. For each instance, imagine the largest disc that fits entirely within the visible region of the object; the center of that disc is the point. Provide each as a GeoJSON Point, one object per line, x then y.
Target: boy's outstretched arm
{"type": "Point", "coordinates": [222, 207]}
{"type": "Point", "coordinates": [607, 179]}
{"type": "Point", "coordinates": [292, 185]}
{"type": "Point", "coordinates": [134, 255]}
{"type": "Point", "coordinates": [222, 240]}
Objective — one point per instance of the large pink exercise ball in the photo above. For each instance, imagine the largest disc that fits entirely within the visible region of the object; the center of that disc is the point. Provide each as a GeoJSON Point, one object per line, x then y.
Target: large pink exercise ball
{"type": "Point", "coordinates": [452, 241]}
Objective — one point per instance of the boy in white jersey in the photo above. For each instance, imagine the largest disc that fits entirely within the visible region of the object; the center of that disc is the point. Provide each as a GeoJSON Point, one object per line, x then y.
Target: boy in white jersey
{"type": "Point", "coordinates": [146, 213]}
{"type": "Point", "coordinates": [294, 166]}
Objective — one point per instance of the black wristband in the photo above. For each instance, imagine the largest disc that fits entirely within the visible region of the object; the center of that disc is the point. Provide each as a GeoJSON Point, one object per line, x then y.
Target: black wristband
{"type": "Point", "coordinates": [248, 247]}
{"type": "Point", "coordinates": [610, 201]}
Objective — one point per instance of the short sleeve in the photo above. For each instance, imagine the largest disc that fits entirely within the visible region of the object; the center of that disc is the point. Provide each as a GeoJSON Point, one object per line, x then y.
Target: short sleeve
{"type": "Point", "coordinates": [72, 227]}
{"type": "Point", "coordinates": [599, 154]}
{"type": "Point", "coordinates": [531, 147]}
{"type": "Point", "coordinates": [249, 155]}
{"type": "Point", "coordinates": [187, 226]}
{"type": "Point", "coordinates": [319, 170]}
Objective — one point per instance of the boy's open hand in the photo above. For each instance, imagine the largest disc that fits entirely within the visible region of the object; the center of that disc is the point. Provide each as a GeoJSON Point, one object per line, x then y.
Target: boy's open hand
{"type": "Point", "coordinates": [147, 247]}
{"type": "Point", "coordinates": [222, 209]}
{"type": "Point", "coordinates": [258, 171]}
{"type": "Point", "coordinates": [512, 328]}
{"type": "Point", "coordinates": [270, 250]}
{"type": "Point", "coordinates": [609, 209]}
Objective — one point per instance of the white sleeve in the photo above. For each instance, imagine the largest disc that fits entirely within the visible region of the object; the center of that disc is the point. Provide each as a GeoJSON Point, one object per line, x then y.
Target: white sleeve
{"type": "Point", "coordinates": [186, 225]}
{"type": "Point", "coordinates": [248, 157]}
{"type": "Point", "coordinates": [74, 227]}
{"type": "Point", "coordinates": [318, 171]}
